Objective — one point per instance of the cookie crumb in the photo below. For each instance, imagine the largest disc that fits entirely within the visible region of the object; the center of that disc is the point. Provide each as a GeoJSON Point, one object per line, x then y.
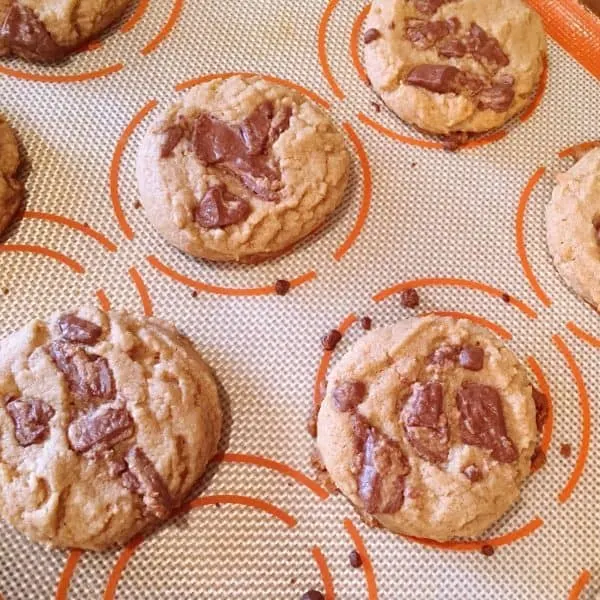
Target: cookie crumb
{"type": "Point", "coordinates": [366, 323]}
{"type": "Point", "coordinates": [506, 298]}
{"type": "Point", "coordinates": [566, 450]}
{"type": "Point", "coordinates": [376, 106]}
{"type": "Point", "coordinates": [311, 422]}
{"type": "Point", "coordinates": [538, 460]}
{"type": "Point", "coordinates": [194, 294]}
{"type": "Point", "coordinates": [410, 298]}
{"type": "Point", "coordinates": [488, 550]}
{"type": "Point", "coordinates": [137, 204]}
{"type": "Point", "coordinates": [312, 595]}
{"type": "Point", "coordinates": [454, 141]}
{"type": "Point", "coordinates": [331, 340]}
{"type": "Point", "coordinates": [355, 560]}
{"type": "Point", "coordinates": [282, 287]}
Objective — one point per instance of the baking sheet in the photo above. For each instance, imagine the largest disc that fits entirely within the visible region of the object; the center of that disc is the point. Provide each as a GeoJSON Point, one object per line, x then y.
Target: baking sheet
{"type": "Point", "coordinates": [462, 225]}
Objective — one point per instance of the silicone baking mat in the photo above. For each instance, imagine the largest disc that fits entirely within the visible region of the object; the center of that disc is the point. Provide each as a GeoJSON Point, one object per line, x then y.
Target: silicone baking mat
{"type": "Point", "coordinates": [464, 228]}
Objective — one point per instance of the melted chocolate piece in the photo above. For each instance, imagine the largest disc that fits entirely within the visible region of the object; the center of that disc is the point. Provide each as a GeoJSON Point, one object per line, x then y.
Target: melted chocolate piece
{"type": "Point", "coordinates": [30, 418]}
{"type": "Point", "coordinates": [498, 97]}
{"type": "Point", "coordinates": [381, 470]}
{"type": "Point", "coordinates": [430, 7]}
{"type": "Point", "coordinates": [255, 129]}
{"type": "Point", "coordinates": [23, 33]}
{"type": "Point", "coordinates": [482, 421]}
{"type": "Point", "coordinates": [371, 35]}
{"type": "Point", "coordinates": [426, 34]}
{"type": "Point", "coordinates": [171, 137]}
{"type": "Point", "coordinates": [471, 358]}
{"type": "Point", "coordinates": [103, 426]}
{"type": "Point", "coordinates": [541, 408]}
{"type": "Point", "coordinates": [143, 479]}
{"type": "Point", "coordinates": [473, 473]}
{"type": "Point", "coordinates": [88, 375]}
{"type": "Point", "coordinates": [485, 49]}
{"type": "Point", "coordinates": [441, 79]}
{"type": "Point", "coordinates": [348, 395]}
{"type": "Point", "coordinates": [218, 208]}
{"type": "Point", "coordinates": [76, 330]}
{"type": "Point", "coordinates": [425, 422]}
{"type": "Point", "coordinates": [452, 48]}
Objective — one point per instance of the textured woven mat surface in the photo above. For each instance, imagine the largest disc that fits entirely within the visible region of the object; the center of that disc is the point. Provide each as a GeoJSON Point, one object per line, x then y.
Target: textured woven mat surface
{"type": "Point", "coordinates": [463, 225]}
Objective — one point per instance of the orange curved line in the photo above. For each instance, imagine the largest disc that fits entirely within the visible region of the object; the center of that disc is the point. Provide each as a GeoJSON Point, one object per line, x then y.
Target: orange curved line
{"type": "Point", "coordinates": [520, 237]}
{"type": "Point", "coordinates": [271, 78]}
{"type": "Point", "coordinates": [497, 329]}
{"type": "Point", "coordinates": [115, 167]}
{"type": "Point", "coordinates": [586, 418]}
{"type": "Point", "coordinates": [92, 45]}
{"type": "Point", "coordinates": [571, 150]}
{"type": "Point", "coordinates": [103, 300]}
{"type": "Point", "coordinates": [503, 540]}
{"type": "Point", "coordinates": [250, 459]}
{"type": "Point", "coordinates": [142, 291]}
{"type": "Point", "coordinates": [326, 577]}
{"type": "Point", "coordinates": [545, 389]}
{"type": "Point", "coordinates": [166, 30]}
{"type": "Point", "coordinates": [540, 93]}
{"type": "Point", "coordinates": [73, 264]}
{"type": "Point", "coordinates": [364, 555]}
{"type": "Point", "coordinates": [583, 335]}
{"type": "Point", "coordinates": [326, 359]}
{"type": "Point", "coordinates": [367, 193]}
{"type": "Point", "coordinates": [223, 291]}
{"type": "Point", "coordinates": [484, 140]}
{"type": "Point", "coordinates": [452, 281]}
{"type": "Point", "coordinates": [583, 579]}
{"type": "Point", "coordinates": [136, 17]}
{"type": "Point", "coordinates": [86, 229]}
{"type": "Point", "coordinates": [354, 43]}
{"type": "Point", "coordinates": [62, 589]}
{"type": "Point", "coordinates": [74, 78]}
{"type": "Point", "coordinates": [115, 575]}
{"type": "Point", "coordinates": [322, 47]}
{"type": "Point", "coordinates": [396, 136]}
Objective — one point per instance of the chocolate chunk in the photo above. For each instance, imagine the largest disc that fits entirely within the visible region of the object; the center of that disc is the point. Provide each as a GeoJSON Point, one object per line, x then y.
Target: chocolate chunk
{"type": "Point", "coordinates": [506, 298]}
{"type": "Point", "coordinates": [453, 141]}
{"type": "Point", "coordinates": [441, 79]}
{"type": "Point", "coordinates": [88, 375]}
{"type": "Point", "coordinates": [214, 141]}
{"type": "Point", "coordinates": [312, 595]}
{"type": "Point", "coordinates": [255, 129]}
{"type": "Point", "coordinates": [444, 356]}
{"type": "Point", "coordinates": [366, 323]}
{"type": "Point", "coordinates": [348, 395]}
{"type": "Point", "coordinates": [280, 123]}
{"type": "Point", "coordinates": [566, 450]}
{"type": "Point", "coordinates": [376, 107]}
{"type": "Point", "coordinates": [541, 408]}
{"type": "Point", "coordinates": [473, 473]}
{"type": "Point", "coordinates": [171, 137]}
{"type": "Point", "coordinates": [497, 97]}
{"type": "Point", "coordinates": [105, 426]}
{"type": "Point", "coordinates": [371, 35]}
{"type": "Point", "coordinates": [425, 422]}
{"type": "Point", "coordinates": [282, 287]}
{"type": "Point", "coordinates": [381, 469]}
{"type": "Point", "coordinates": [485, 49]}
{"type": "Point", "coordinates": [23, 33]}
{"type": "Point", "coordinates": [219, 208]}
{"type": "Point", "coordinates": [410, 298]}
{"type": "Point", "coordinates": [146, 481]}
{"type": "Point", "coordinates": [538, 460]}
{"type": "Point", "coordinates": [471, 358]}
{"type": "Point", "coordinates": [331, 340]}
{"type": "Point", "coordinates": [74, 329]}
{"type": "Point", "coordinates": [488, 550]}
{"type": "Point", "coordinates": [451, 48]}
{"type": "Point", "coordinates": [426, 34]}
{"type": "Point", "coordinates": [482, 421]}
{"type": "Point", "coordinates": [430, 7]}
{"type": "Point", "coordinates": [355, 560]}
{"type": "Point", "coordinates": [30, 418]}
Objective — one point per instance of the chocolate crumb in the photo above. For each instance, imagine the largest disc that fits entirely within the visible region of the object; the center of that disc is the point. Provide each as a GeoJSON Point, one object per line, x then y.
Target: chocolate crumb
{"type": "Point", "coordinates": [413, 165]}
{"type": "Point", "coordinates": [506, 298]}
{"type": "Point", "coordinates": [376, 106]}
{"type": "Point", "coordinates": [366, 323]}
{"type": "Point", "coordinates": [538, 460]}
{"type": "Point", "coordinates": [5, 291]}
{"type": "Point", "coordinates": [312, 595]}
{"type": "Point", "coordinates": [282, 287]}
{"type": "Point", "coordinates": [217, 505]}
{"type": "Point", "coordinates": [331, 340]}
{"type": "Point", "coordinates": [194, 294]}
{"type": "Point", "coordinates": [566, 450]}
{"type": "Point", "coordinates": [355, 560]}
{"type": "Point", "coordinates": [488, 550]}
{"type": "Point", "coordinates": [371, 35]}
{"type": "Point", "coordinates": [410, 298]}
{"type": "Point", "coordinates": [137, 204]}
{"type": "Point", "coordinates": [292, 581]}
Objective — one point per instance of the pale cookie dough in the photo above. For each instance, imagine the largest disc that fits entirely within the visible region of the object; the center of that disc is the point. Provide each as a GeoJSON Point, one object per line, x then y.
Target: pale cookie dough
{"type": "Point", "coordinates": [573, 227]}
{"type": "Point", "coordinates": [429, 427]}
{"type": "Point", "coordinates": [48, 30]}
{"type": "Point", "coordinates": [11, 190]}
{"type": "Point", "coordinates": [106, 422]}
{"type": "Point", "coordinates": [241, 169]}
{"type": "Point", "coordinates": [454, 66]}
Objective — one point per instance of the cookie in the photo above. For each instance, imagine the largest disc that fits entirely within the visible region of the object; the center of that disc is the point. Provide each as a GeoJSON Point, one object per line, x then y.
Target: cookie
{"type": "Point", "coordinates": [11, 190]}
{"type": "Point", "coordinates": [106, 422]}
{"type": "Point", "coordinates": [573, 227]}
{"type": "Point", "coordinates": [48, 30]}
{"type": "Point", "coordinates": [429, 427]}
{"type": "Point", "coordinates": [241, 169]}
{"type": "Point", "coordinates": [450, 66]}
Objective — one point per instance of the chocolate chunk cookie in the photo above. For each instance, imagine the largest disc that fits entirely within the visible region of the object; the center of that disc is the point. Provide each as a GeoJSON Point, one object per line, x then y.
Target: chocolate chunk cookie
{"type": "Point", "coordinates": [48, 30]}
{"type": "Point", "coordinates": [241, 170]}
{"type": "Point", "coordinates": [450, 66]}
{"type": "Point", "coordinates": [106, 422]}
{"type": "Point", "coordinates": [11, 190]}
{"type": "Point", "coordinates": [429, 426]}
{"type": "Point", "coordinates": [573, 227]}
